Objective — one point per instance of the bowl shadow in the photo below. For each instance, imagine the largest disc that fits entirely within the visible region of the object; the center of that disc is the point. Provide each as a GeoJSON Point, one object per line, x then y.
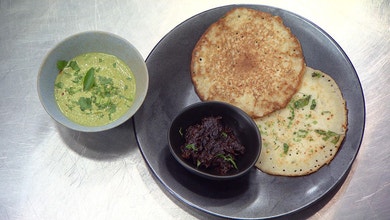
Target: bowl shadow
{"type": "Point", "coordinates": [221, 189]}
{"type": "Point", "coordinates": [106, 145]}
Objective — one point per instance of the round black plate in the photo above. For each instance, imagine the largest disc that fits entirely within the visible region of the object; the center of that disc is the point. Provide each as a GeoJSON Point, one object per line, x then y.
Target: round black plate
{"type": "Point", "coordinates": [259, 195]}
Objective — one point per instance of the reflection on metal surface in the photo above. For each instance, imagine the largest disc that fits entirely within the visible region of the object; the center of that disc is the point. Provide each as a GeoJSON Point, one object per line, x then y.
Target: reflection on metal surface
{"type": "Point", "coordinates": [49, 172]}
{"type": "Point", "coordinates": [312, 190]}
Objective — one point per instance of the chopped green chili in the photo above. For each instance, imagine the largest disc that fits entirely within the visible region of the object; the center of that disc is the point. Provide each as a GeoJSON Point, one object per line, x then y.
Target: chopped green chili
{"type": "Point", "coordinates": [328, 135]}
{"type": "Point", "coordinates": [302, 133]}
{"type": "Point", "coordinates": [300, 103]}
{"type": "Point", "coordinates": [285, 148]}
{"type": "Point", "coordinates": [313, 104]}
{"type": "Point", "coordinates": [291, 118]}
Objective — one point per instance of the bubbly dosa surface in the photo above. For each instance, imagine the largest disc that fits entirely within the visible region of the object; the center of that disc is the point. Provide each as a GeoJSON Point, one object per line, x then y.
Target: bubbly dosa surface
{"type": "Point", "coordinates": [306, 135]}
{"type": "Point", "coordinates": [250, 59]}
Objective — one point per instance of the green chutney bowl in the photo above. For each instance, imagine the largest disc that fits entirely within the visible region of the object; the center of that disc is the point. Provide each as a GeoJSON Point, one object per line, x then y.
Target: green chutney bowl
{"type": "Point", "coordinates": [88, 42]}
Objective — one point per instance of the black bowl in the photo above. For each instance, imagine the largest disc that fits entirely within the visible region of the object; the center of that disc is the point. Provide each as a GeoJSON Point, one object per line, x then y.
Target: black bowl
{"type": "Point", "coordinates": [244, 128]}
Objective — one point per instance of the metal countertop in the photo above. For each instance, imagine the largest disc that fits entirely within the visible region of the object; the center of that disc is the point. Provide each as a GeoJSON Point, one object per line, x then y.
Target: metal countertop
{"type": "Point", "coordinates": [50, 172]}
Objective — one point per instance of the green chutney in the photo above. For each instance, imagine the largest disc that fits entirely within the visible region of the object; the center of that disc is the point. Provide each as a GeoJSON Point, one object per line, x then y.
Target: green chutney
{"type": "Point", "coordinates": [94, 89]}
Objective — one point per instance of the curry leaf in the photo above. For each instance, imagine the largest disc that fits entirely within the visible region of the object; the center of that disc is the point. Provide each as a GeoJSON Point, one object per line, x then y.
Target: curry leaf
{"type": "Point", "coordinates": [105, 80]}
{"type": "Point", "coordinates": [89, 79]}
{"type": "Point", "coordinates": [61, 64]}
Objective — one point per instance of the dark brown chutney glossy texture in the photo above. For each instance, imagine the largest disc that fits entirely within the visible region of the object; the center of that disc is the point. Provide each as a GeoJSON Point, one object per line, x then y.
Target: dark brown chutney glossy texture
{"type": "Point", "coordinates": [212, 145]}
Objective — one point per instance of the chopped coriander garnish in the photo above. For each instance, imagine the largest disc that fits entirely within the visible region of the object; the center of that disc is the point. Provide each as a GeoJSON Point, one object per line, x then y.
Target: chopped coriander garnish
{"type": "Point", "coordinates": [71, 90]}
{"type": "Point", "coordinates": [111, 109]}
{"type": "Point", "coordinates": [85, 103]}
{"type": "Point", "coordinates": [228, 158]}
{"type": "Point", "coordinates": [74, 66]}
{"type": "Point", "coordinates": [59, 85]}
{"type": "Point", "coordinates": [191, 147]}
{"type": "Point", "coordinates": [316, 75]}
{"type": "Point", "coordinates": [78, 77]}
{"type": "Point", "coordinates": [328, 135]}
{"type": "Point", "coordinates": [321, 132]}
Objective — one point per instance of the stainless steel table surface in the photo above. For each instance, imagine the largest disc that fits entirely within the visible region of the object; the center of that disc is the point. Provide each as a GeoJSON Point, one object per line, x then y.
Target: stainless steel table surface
{"type": "Point", "coordinates": [50, 172]}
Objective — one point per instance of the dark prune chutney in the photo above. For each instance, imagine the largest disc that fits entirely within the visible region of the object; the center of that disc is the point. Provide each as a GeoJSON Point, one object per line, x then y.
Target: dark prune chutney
{"type": "Point", "coordinates": [212, 145]}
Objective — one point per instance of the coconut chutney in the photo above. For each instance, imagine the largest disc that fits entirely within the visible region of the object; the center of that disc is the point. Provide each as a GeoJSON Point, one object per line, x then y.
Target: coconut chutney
{"type": "Point", "coordinates": [94, 89]}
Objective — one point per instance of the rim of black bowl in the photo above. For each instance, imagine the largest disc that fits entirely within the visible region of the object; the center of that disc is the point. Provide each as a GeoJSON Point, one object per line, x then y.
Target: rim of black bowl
{"type": "Point", "coordinates": [203, 173]}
